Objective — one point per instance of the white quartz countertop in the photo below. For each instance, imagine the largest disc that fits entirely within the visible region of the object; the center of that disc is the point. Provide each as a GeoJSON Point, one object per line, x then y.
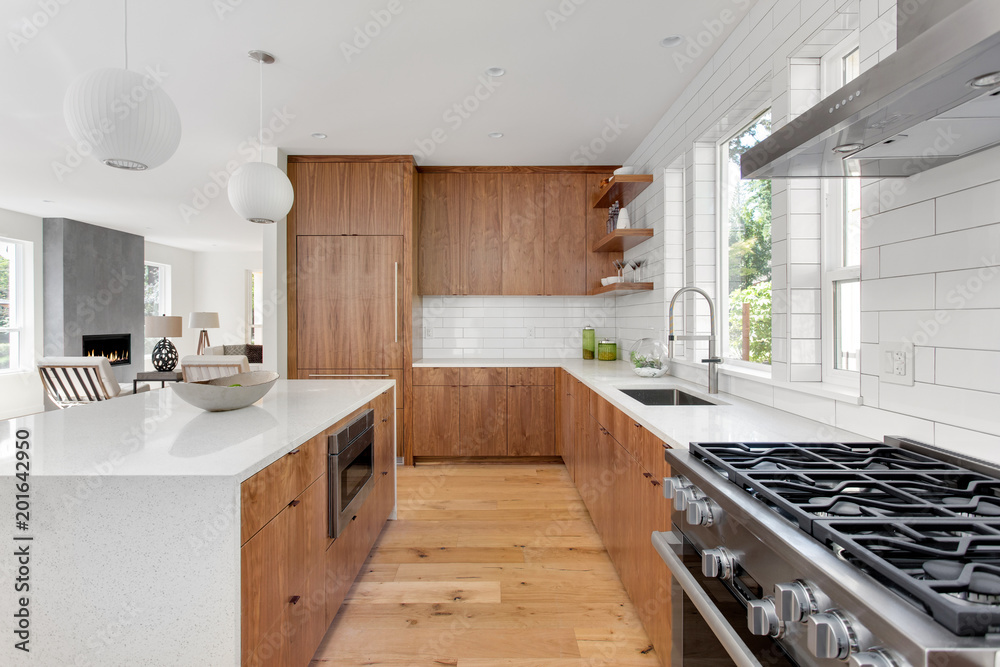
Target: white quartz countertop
{"type": "Point", "coordinates": [734, 419]}
{"type": "Point", "coordinates": [157, 434]}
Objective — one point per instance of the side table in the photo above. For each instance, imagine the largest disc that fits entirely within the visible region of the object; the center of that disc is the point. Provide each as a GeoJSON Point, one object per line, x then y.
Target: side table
{"type": "Point", "coordinates": [163, 377]}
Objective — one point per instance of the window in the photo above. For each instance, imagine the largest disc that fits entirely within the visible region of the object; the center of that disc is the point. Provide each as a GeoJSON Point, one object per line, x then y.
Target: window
{"type": "Point", "coordinates": [255, 307]}
{"type": "Point", "coordinates": [745, 265]}
{"type": "Point", "coordinates": [842, 243]}
{"type": "Point", "coordinates": [156, 296]}
{"type": "Point", "coordinates": [11, 305]}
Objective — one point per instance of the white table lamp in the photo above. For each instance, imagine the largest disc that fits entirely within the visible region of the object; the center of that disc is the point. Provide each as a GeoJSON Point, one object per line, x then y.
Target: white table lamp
{"type": "Point", "coordinates": [203, 321]}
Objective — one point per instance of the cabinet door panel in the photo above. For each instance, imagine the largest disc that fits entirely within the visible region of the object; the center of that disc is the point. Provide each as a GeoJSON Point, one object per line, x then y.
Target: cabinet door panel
{"type": "Point", "coordinates": [385, 434]}
{"type": "Point", "coordinates": [390, 199]}
{"type": "Point", "coordinates": [263, 580]}
{"type": "Point", "coordinates": [436, 421]}
{"type": "Point", "coordinates": [523, 219]}
{"type": "Point", "coordinates": [482, 234]}
{"type": "Point", "coordinates": [530, 429]}
{"type": "Point", "coordinates": [484, 421]}
{"type": "Point", "coordinates": [532, 376]}
{"type": "Point", "coordinates": [567, 422]}
{"type": "Point", "coordinates": [436, 376]}
{"type": "Point", "coordinates": [483, 376]}
{"type": "Point", "coordinates": [565, 233]}
{"type": "Point", "coordinates": [348, 301]}
{"type": "Point", "coordinates": [326, 198]}
{"type": "Point", "coordinates": [440, 242]}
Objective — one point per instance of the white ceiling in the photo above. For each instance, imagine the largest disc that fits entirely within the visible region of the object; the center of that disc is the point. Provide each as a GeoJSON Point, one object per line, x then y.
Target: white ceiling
{"type": "Point", "coordinates": [563, 85]}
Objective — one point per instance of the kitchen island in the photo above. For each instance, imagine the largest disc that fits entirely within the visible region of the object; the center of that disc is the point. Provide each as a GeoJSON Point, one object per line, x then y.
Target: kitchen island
{"type": "Point", "coordinates": [133, 521]}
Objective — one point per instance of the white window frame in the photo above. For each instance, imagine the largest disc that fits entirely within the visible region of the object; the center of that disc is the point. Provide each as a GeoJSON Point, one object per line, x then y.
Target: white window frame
{"type": "Point", "coordinates": [722, 245]}
{"type": "Point", "coordinates": [251, 326]}
{"type": "Point", "coordinates": [834, 271]}
{"type": "Point", "coordinates": [19, 354]}
{"type": "Point", "coordinates": [164, 286]}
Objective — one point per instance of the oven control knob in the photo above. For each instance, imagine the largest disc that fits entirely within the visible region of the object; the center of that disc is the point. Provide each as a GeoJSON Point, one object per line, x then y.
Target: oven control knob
{"type": "Point", "coordinates": [684, 496]}
{"type": "Point", "coordinates": [874, 657]}
{"type": "Point", "coordinates": [830, 636]}
{"type": "Point", "coordinates": [793, 601]}
{"type": "Point", "coordinates": [718, 563]}
{"type": "Point", "coordinates": [701, 512]}
{"type": "Point", "coordinates": [671, 485]}
{"type": "Point", "coordinates": [762, 619]}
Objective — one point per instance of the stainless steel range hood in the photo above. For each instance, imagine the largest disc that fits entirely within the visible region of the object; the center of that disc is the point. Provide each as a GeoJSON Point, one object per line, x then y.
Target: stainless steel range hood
{"type": "Point", "coordinates": [915, 110]}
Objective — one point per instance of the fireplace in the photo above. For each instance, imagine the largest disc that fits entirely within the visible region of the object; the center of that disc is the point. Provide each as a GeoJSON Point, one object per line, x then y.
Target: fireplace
{"type": "Point", "coordinates": [116, 347]}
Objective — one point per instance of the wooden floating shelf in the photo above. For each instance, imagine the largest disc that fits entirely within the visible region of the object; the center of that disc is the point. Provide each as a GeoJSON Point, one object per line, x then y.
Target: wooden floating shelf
{"type": "Point", "coordinates": [623, 288]}
{"type": "Point", "coordinates": [621, 240]}
{"type": "Point", "coordinates": [622, 189]}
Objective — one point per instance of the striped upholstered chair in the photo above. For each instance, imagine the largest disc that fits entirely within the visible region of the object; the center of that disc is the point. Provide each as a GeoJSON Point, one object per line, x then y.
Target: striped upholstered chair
{"type": "Point", "coordinates": [73, 381]}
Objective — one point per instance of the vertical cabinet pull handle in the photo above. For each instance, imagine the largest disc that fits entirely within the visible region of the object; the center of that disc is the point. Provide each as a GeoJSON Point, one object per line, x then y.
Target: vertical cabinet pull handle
{"type": "Point", "coordinates": [395, 300]}
{"type": "Point", "coordinates": [294, 503]}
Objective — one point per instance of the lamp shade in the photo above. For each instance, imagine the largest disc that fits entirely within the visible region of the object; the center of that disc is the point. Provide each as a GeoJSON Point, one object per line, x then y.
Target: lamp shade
{"type": "Point", "coordinates": [203, 321]}
{"type": "Point", "coordinates": [164, 326]}
{"type": "Point", "coordinates": [261, 192]}
{"type": "Point", "coordinates": [125, 119]}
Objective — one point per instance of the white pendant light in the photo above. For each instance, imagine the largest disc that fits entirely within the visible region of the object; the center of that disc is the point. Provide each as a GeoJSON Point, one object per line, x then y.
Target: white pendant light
{"type": "Point", "coordinates": [124, 118]}
{"type": "Point", "coordinates": [261, 192]}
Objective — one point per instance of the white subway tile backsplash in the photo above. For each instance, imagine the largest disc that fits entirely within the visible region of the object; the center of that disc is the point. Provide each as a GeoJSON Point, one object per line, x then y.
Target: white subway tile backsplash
{"type": "Point", "coordinates": [907, 293]}
{"type": "Point", "coordinates": [897, 225]}
{"type": "Point", "coordinates": [969, 208]}
{"type": "Point", "coordinates": [974, 288]}
{"type": "Point", "coordinates": [971, 369]}
{"type": "Point", "coordinates": [967, 249]}
{"type": "Point", "coordinates": [962, 329]}
{"type": "Point", "coordinates": [948, 405]}
{"type": "Point", "coordinates": [971, 443]}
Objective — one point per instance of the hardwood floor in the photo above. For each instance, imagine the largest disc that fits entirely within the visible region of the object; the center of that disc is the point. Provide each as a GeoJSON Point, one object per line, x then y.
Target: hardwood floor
{"type": "Point", "coordinates": [487, 565]}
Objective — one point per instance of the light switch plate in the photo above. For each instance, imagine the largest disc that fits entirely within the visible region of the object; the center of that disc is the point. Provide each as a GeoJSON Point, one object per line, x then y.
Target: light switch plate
{"type": "Point", "coordinates": [896, 363]}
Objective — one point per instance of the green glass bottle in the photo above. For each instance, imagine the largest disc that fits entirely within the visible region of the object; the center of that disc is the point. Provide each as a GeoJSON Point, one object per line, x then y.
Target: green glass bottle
{"type": "Point", "coordinates": [589, 342]}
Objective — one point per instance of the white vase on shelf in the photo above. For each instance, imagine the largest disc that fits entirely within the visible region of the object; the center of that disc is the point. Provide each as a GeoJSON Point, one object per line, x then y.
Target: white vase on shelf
{"type": "Point", "coordinates": [623, 221]}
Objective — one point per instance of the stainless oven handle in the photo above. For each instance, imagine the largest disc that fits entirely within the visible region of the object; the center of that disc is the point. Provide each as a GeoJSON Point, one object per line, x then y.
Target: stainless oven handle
{"type": "Point", "coordinates": [727, 636]}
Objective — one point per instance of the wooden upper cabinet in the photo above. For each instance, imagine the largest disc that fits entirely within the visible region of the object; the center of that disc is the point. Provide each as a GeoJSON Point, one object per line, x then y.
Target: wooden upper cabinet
{"type": "Point", "coordinates": [565, 262]}
{"type": "Point", "coordinates": [440, 241]}
{"type": "Point", "coordinates": [363, 198]}
{"type": "Point", "coordinates": [523, 221]}
{"type": "Point", "coordinates": [349, 293]}
{"type": "Point", "coordinates": [599, 264]}
{"type": "Point", "coordinates": [460, 234]}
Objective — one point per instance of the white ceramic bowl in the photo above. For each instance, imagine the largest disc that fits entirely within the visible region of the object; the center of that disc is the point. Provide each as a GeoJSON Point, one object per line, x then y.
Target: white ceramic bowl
{"type": "Point", "coordinates": [219, 396]}
{"type": "Point", "coordinates": [624, 171]}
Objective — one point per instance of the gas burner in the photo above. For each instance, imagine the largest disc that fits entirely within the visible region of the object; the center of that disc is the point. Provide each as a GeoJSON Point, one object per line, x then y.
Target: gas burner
{"type": "Point", "coordinates": [977, 587]}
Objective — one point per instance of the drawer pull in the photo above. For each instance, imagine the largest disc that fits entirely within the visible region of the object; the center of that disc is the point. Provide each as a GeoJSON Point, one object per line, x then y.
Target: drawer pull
{"type": "Point", "coordinates": [385, 419]}
{"type": "Point", "coordinates": [654, 482]}
{"type": "Point", "coordinates": [295, 599]}
{"type": "Point", "coordinates": [637, 424]}
{"type": "Point", "coordinates": [385, 472]}
{"type": "Point", "coordinates": [294, 451]}
{"type": "Point", "coordinates": [354, 517]}
{"type": "Point", "coordinates": [646, 475]}
{"type": "Point", "coordinates": [294, 503]}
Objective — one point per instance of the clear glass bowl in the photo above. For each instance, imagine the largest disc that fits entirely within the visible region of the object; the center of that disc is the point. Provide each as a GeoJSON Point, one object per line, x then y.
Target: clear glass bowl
{"type": "Point", "coordinates": [648, 358]}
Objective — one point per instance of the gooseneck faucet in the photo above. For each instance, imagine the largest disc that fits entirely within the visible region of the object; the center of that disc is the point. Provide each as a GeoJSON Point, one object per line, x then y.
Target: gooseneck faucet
{"type": "Point", "coordinates": [712, 361]}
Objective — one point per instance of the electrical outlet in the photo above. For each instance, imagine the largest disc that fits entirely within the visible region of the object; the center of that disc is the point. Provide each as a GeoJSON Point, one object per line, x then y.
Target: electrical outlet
{"type": "Point", "coordinates": [896, 365]}
{"type": "Point", "coordinates": [428, 332]}
{"type": "Point", "coordinates": [531, 332]}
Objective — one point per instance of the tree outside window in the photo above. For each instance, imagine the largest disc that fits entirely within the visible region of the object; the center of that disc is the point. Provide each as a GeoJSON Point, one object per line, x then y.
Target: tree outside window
{"type": "Point", "coordinates": [747, 237]}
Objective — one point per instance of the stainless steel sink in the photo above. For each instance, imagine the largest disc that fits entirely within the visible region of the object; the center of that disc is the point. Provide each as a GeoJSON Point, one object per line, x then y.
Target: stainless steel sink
{"type": "Point", "coordinates": [664, 397]}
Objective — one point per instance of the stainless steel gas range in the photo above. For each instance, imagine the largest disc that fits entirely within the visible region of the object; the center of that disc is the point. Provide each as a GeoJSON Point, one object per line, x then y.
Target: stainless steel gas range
{"type": "Point", "coordinates": [879, 555]}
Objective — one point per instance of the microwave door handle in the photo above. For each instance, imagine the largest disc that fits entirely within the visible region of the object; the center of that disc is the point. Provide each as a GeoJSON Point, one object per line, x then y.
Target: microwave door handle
{"type": "Point", "coordinates": [725, 633]}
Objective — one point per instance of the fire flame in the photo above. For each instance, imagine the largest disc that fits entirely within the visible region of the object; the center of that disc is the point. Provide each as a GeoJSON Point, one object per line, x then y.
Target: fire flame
{"type": "Point", "coordinates": [112, 358]}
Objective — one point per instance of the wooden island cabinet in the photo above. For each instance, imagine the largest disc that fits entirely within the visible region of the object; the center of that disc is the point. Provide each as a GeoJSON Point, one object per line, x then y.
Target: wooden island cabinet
{"type": "Point", "coordinates": [293, 576]}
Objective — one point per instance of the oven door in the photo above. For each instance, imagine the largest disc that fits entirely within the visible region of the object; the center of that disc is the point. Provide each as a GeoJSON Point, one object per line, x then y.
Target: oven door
{"type": "Point", "coordinates": [350, 479]}
{"type": "Point", "coordinates": [709, 619]}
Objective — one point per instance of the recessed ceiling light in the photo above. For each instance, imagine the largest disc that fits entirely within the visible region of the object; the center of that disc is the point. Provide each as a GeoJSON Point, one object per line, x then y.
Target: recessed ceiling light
{"type": "Point", "coordinates": [496, 71]}
{"type": "Point", "coordinates": [670, 40]}
{"type": "Point", "coordinates": [848, 148]}
{"type": "Point", "coordinates": [986, 80]}
{"type": "Point", "coordinates": [495, 135]}
{"type": "Point", "coordinates": [318, 135]}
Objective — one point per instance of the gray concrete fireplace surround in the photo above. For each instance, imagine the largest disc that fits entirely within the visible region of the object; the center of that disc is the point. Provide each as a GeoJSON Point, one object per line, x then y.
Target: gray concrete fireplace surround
{"type": "Point", "coordinates": [93, 284]}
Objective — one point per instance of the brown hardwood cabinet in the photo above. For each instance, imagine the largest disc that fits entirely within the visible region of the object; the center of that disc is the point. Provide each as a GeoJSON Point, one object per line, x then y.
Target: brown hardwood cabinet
{"type": "Point", "coordinates": [460, 234]}
{"type": "Point", "coordinates": [349, 302]}
{"type": "Point", "coordinates": [565, 226]}
{"type": "Point", "coordinates": [364, 198]}
{"type": "Point", "coordinates": [523, 223]}
{"type": "Point", "coordinates": [484, 421]}
{"type": "Point", "coordinates": [530, 424]}
{"type": "Point", "coordinates": [436, 426]}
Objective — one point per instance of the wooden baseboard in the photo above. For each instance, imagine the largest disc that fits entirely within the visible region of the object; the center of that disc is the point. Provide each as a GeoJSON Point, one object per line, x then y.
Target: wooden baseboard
{"type": "Point", "coordinates": [493, 460]}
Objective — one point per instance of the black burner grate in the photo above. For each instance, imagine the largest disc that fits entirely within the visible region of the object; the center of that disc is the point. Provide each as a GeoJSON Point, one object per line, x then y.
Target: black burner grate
{"type": "Point", "coordinates": [926, 528]}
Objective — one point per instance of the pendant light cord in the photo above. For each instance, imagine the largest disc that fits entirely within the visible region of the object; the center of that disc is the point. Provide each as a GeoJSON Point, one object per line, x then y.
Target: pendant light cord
{"type": "Point", "coordinates": [125, 2]}
{"type": "Point", "coordinates": [260, 135]}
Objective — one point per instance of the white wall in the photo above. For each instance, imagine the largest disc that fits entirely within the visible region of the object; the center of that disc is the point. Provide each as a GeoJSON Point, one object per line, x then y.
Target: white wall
{"type": "Point", "coordinates": [512, 327]}
{"type": "Point", "coordinates": [931, 243]}
{"type": "Point", "coordinates": [22, 393]}
{"type": "Point", "coordinates": [182, 290]}
{"type": "Point", "coordinates": [221, 279]}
